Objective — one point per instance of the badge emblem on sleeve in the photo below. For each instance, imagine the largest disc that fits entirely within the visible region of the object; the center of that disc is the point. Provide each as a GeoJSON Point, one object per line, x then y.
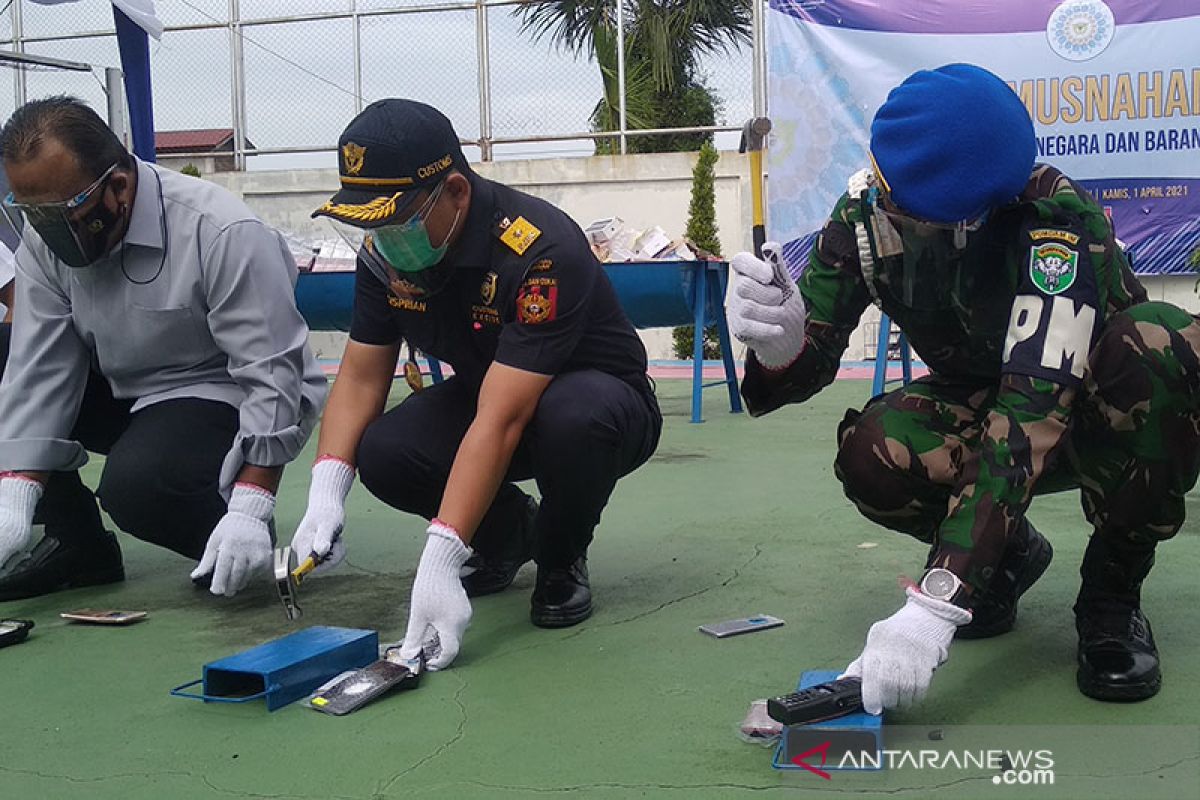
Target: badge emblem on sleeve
{"type": "Point", "coordinates": [537, 304]}
{"type": "Point", "coordinates": [487, 291]}
{"type": "Point", "coordinates": [1053, 267]}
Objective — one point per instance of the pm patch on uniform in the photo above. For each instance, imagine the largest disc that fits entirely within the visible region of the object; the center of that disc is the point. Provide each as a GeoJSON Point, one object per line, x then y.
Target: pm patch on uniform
{"type": "Point", "coordinates": [537, 304]}
{"type": "Point", "coordinates": [1052, 267]}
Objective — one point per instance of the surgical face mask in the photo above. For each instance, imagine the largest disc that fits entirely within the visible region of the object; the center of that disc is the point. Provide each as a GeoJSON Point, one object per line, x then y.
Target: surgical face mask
{"type": "Point", "coordinates": [417, 267]}
{"type": "Point", "coordinates": [77, 238]}
{"type": "Point", "coordinates": [406, 246]}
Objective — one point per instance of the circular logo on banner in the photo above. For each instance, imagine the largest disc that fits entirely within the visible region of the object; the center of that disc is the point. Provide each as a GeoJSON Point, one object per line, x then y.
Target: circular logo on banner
{"type": "Point", "coordinates": [1080, 29]}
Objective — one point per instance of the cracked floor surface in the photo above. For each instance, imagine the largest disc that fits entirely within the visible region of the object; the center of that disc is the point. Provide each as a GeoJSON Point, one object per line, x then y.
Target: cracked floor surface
{"type": "Point", "coordinates": [733, 517]}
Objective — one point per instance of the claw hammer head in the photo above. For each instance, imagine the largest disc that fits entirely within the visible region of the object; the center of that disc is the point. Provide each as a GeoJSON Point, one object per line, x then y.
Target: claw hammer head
{"type": "Point", "coordinates": [288, 576]}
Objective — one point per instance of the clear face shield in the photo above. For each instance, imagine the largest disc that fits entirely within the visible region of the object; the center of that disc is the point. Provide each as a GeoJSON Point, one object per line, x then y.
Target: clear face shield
{"type": "Point", "coordinates": [927, 262]}
{"type": "Point", "coordinates": [78, 235]}
{"type": "Point", "coordinates": [401, 255]}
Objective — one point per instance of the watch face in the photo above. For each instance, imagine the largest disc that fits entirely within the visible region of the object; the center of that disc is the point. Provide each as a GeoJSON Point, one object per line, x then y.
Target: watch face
{"type": "Point", "coordinates": [939, 583]}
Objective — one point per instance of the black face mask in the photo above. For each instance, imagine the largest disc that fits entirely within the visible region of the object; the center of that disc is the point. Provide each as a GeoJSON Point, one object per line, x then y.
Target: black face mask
{"type": "Point", "coordinates": [84, 241]}
{"type": "Point", "coordinates": [77, 240]}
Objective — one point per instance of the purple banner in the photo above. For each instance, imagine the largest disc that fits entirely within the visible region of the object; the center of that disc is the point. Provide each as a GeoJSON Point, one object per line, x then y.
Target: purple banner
{"type": "Point", "coordinates": [966, 16]}
{"type": "Point", "coordinates": [1160, 216]}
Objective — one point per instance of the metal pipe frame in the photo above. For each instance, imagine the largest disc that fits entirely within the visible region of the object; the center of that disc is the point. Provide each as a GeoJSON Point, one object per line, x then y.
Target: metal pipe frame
{"type": "Point", "coordinates": [486, 142]}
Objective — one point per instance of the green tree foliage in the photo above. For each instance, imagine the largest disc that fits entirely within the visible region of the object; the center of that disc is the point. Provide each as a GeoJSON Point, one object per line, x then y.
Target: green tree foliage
{"type": "Point", "coordinates": [702, 232]}
{"type": "Point", "coordinates": [702, 211]}
{"type": "Point", "coordinates": [664, 40]}
{"type": "Point", "coordinates": [190, 169]}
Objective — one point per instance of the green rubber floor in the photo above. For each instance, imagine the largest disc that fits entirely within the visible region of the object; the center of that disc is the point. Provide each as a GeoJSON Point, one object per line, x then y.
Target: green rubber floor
{"type": "Point", "coordinates": [732, 517]}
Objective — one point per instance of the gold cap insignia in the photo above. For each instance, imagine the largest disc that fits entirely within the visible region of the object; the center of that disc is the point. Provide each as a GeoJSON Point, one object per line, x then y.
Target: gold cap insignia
{"type": "Point", "coordinates": [353, 156]}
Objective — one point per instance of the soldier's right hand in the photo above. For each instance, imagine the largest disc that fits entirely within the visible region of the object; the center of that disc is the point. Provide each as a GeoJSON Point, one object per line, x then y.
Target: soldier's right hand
{"type": "Point", "coordinates": [764, 309]}
{"type": "Point", "coordinates": [320, 531]}
{"type": "Point", "coordinates": [19, 497]}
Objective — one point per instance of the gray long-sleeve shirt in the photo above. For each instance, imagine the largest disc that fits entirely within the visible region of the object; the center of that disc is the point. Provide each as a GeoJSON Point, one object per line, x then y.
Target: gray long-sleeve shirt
{"type": "Point", "coordinates": [197, 301]}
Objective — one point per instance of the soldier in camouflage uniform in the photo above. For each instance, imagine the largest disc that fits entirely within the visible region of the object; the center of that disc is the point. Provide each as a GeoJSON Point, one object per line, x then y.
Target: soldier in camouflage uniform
{"type": "Point", "coordinates": [1048, 370]}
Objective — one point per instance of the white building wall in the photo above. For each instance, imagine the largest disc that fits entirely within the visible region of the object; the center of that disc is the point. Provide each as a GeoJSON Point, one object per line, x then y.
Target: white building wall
{"type": "Point", "coordinates": [644, 190]}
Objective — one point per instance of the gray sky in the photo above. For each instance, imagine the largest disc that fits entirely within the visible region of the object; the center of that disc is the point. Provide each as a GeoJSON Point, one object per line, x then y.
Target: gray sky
{"type": "Point", "coordinates": [428, 56]}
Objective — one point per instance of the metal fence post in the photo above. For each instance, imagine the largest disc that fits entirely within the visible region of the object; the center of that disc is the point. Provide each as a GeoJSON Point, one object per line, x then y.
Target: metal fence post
{"type": "Point", "coordinates": [18, 26]}
{"type": "Point", "coordinates": [114, 89]}
{"type": "Point", "coordinates": [485, 80]}
{"type": "Point", "coordinates": [237, 74]}
{"type": "Point", "coordinates": [622, 124]}
{"type": "Point", "coordinates": [357, 21]}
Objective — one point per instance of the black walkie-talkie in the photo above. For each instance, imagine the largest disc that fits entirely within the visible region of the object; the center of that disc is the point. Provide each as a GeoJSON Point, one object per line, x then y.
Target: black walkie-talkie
{"type": "Point", "coordinates": [817, 703]}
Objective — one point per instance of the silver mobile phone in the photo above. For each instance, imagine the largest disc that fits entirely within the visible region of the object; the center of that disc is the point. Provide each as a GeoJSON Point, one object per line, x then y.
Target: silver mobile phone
{"type": "Point", "coordinates": [733, 627]}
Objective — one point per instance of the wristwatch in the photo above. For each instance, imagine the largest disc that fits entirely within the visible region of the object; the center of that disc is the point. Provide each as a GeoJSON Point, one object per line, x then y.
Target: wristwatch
{"type": "Point", "coordinates": [942, 584]}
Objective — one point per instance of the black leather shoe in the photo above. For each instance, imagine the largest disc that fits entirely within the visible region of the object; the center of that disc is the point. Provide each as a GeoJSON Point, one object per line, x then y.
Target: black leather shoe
{"type": "Point", "coordinates": [495, 574]}
{"type": "Point", "coordinates": [54, 565]}
{"type": "Point", "coordinates": [1024, 561]}
{"type": "Point", "coordinates": [1118, 659]}
{"type": "Point", "coordinates": [562, 597]}
{"type": "Point", "coordinates": [1117, 656]}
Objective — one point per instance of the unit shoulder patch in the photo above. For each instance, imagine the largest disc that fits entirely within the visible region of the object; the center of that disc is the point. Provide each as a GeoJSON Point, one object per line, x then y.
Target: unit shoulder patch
{"type": "Point", "coordinates": [1053, 267]}
{"type": "Point", "coordinates": [537, 304]}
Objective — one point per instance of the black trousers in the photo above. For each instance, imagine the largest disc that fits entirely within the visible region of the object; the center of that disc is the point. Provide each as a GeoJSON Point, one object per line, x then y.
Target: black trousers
{"type": "Point", "coordinates": [589, 430]}
{"type": "Point", "coordinates": [160, 478]}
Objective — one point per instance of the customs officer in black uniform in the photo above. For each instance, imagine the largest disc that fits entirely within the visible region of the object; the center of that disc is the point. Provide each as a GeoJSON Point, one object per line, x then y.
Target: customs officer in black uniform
{"type": "Point", "coordinates": [549, 378]}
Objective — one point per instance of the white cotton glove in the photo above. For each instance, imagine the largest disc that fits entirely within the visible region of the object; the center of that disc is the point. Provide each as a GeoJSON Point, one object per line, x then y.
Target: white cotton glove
{"type": "Point", "coordinates": [438, 598]}
{"type": "Point", "coordinates": [240, 545]}
{"type": "Point", "coordinates": [903, 650]}
{"type": "Point", "coordinates": [764, 308]}
{"type": "Point", "coordinates": [19, 497]}
{"type": "Point", "coordinates": [320, 530]}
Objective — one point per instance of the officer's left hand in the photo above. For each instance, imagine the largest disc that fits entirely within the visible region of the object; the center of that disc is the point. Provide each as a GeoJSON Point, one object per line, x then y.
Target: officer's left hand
{"type": "Point", "coordinates": [764, 309]}
{"type": "Point", "coordinates": [240, 545]}
{"type": "Point", "coordinates": [439, 601]}
{"type": "Point", "coordinates": [902, 651]}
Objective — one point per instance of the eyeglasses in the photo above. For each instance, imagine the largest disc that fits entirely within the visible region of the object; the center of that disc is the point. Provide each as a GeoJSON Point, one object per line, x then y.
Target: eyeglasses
{"type": "Point", "coordinates": [39, 212]}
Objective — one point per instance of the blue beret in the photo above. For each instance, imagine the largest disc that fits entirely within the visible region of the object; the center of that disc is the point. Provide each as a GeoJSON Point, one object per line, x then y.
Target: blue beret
{"type": "Point", "coordinates": [952, 142]}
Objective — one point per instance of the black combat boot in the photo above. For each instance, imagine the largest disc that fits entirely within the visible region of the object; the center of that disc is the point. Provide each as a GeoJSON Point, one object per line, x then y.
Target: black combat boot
{"type": "Point", "coordinates": [1117, 656]}
{"type": "Point", "coordinates": [55, 564]}
{"type": "Point", "coordinates": [495, 573]}
{"type": "Point", "coordinates": [563, 595]}
{"type": "Point", "coordinates": [1025, 559]}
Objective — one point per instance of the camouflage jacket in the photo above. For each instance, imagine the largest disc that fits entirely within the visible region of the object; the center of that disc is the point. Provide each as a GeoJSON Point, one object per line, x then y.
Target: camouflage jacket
{"type": "Point", "coordinates": [1017, 309]}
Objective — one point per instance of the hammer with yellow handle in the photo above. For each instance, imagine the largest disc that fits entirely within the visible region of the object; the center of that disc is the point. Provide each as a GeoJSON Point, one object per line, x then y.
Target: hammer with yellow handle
{"type": "Point", "coordinates": [288, 576]}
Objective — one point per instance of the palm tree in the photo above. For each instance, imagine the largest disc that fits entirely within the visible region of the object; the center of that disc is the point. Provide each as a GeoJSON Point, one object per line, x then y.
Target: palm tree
{"type": "Point", "coordinates": [664, 41]}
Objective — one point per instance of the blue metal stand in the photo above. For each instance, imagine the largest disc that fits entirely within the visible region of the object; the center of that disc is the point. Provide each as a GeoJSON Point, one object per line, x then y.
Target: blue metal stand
{"type": "Point", "coordinates": [880, 381]}
{"type": "Point", "coordinates": [709, 283]}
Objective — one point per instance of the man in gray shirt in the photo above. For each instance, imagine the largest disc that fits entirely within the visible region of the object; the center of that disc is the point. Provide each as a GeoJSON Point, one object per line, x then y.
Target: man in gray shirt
{"type": "Point", "coordinates": [155, 322]}
{"type": "Point", "coordinates": [7, 273]}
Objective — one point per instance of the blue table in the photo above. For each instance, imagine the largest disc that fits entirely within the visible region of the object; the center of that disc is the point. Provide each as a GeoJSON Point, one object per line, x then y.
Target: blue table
{"type": "Point", "coordinates": [658, 294]}
{"type": "Point", "coordinates": [654, 294]}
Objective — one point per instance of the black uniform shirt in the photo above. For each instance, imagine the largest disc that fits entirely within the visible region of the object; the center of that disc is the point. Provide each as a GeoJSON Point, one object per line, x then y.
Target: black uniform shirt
{"type": "Point", "coordinates": [526, 292]}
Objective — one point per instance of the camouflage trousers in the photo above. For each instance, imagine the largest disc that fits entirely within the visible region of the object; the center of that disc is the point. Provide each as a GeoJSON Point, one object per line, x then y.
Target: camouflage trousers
{"type": "Point", "coordinates": [1132, 447]}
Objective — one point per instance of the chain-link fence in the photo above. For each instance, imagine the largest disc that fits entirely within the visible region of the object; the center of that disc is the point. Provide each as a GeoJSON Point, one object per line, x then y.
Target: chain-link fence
{"type": "Point", "coordinates": [285, 76]}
